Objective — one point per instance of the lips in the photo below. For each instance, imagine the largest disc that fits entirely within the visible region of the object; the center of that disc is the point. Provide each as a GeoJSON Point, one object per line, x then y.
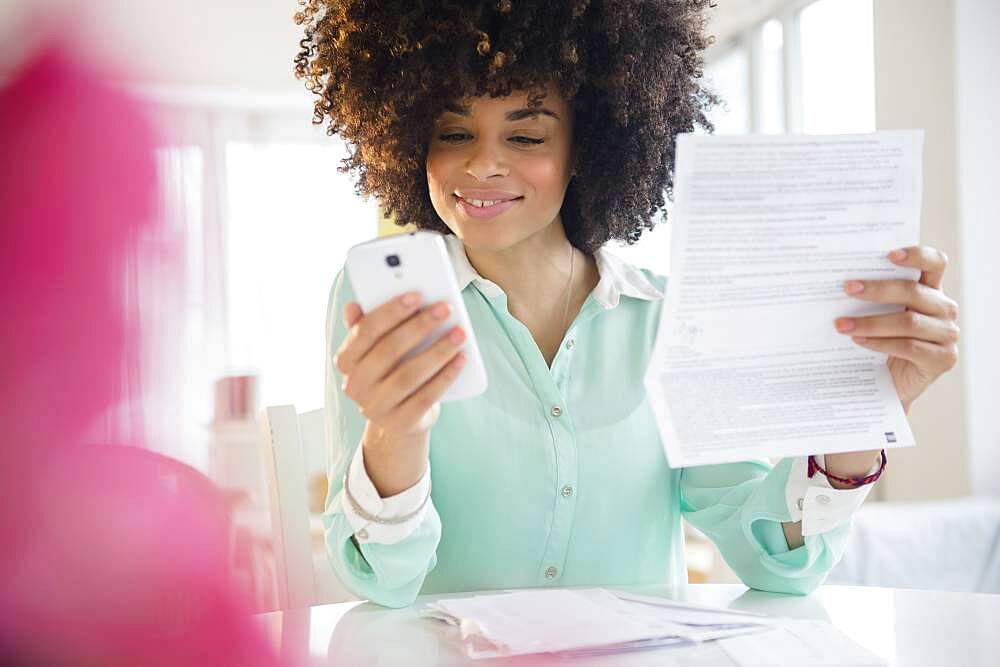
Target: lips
{"type": "Point", "coordinates": [484, 212]}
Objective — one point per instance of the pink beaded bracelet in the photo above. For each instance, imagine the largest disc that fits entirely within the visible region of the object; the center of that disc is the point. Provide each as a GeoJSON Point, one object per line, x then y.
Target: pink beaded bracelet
{"type": "Point", "coordinates": [813, 467]}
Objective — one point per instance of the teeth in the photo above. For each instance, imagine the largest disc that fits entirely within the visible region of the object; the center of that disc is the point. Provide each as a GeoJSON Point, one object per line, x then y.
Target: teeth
{"type": "Point", "coordinates": [480, 203]}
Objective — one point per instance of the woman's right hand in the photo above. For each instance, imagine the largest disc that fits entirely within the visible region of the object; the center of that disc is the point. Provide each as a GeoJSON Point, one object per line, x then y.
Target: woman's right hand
{"type": "Point", "coordinates": [399, 400]}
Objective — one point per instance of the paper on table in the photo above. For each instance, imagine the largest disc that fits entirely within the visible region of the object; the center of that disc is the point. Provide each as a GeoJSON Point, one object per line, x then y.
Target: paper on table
{"type": "Point", "coordinates": [766, 230]}
{"type": "Point", "coordinates": [690, 622]}
{"type": "Point", "coordinates": [537, 621]}
{"type": "Point", "coordinates": [692, 614]}
{"type": "Point", "coordinates": [580, 621]}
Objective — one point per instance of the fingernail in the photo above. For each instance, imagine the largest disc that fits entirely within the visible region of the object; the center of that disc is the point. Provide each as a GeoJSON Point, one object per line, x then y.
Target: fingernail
{"type": "Point", "coordinates": [897, 255]}
{"type": "Point", "coordinates": [410, 298]}
{"type": "Point", "coordinates": [457, 335]}
{"type": "Point", "coordinates": [854, 286]}
{"type": "Point", "coordinates": [440, 311]}
{"type": "Point", "coordinates": [845, 324]}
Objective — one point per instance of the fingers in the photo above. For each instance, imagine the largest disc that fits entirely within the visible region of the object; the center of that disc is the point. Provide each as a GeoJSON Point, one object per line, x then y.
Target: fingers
{"type": "Point", "coordinates": [904, 324]}
{"type": "Point", "coordinates": [930, 358]}
{"type": "Point", "coordinates": [410, 375]}
{"type": "Point", "coordinates": [926, 333]}
{"type": "Point", "coordinates": [421, 401]}
{"type": "Point", "coordinates": [931, 262]}
{"type": "Point", "coordinates": [386, 353]}
{"type": "Point", "coordinates": [910, 293]}
{"type": "Point", "coordinates": [363, 333]}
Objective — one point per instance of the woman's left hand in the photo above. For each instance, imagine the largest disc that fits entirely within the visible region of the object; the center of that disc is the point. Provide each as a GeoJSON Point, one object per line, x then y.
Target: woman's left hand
{"type": "Point", "coordinates": [921, 341]}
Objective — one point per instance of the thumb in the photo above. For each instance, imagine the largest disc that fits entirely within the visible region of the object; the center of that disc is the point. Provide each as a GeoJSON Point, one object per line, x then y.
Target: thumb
{"type": "Point", "coordinates": [352, 313]}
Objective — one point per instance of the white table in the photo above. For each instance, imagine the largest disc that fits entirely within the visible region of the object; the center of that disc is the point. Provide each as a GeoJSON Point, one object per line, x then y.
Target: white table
{"type": "Point", "coordinates": [905, 627]}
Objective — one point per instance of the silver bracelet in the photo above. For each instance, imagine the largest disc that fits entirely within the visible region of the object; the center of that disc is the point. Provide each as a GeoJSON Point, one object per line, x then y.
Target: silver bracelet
{"type": "Point", "coordinates": [374, 519]}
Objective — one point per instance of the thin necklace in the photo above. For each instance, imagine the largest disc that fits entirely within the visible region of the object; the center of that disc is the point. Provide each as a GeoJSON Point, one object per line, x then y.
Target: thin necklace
{"type": "Point", "coordinates": [569, 285]}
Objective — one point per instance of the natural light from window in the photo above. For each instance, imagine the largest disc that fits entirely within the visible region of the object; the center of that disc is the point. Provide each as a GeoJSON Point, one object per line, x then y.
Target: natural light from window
{"type": "Point", "coordinates": [291, 219]}
{"type": "Point", "coordinates": [729, 76]}
{"type": "Point", "coordinates": [770, 97]}
{"type": "Point", "coordinates": [838, 84]}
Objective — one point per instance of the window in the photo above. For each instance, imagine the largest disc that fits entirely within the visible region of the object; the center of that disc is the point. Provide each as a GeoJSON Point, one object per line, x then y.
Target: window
{"type": "Point", "coordinates": [254, 205]}
{"type": "Point", "coordinates": [729, 76]}
{"type": "Point", "coordinates": [808, 68]}
{"type": "Point", "coordinates": [838, 83]}
{"type": "Point", "coordinates": [291, 219]}
{"type": "Point", "coordinates": [770, 80]}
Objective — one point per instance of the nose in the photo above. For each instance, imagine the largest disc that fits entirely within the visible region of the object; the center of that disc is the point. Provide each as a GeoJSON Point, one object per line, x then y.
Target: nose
{"type": "Point", "coordinates": [486, 160]}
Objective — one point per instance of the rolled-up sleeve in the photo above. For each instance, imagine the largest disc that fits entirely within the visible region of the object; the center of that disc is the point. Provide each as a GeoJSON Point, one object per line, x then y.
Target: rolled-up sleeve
{"type": "Point", "coordinates": [402, 513]}
{"type": "Point", "coordinates": [387, 574]}
{"type": "Point", "coordinates": [741, 506]}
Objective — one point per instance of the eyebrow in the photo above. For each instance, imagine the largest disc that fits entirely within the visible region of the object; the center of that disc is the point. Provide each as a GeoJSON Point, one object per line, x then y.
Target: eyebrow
{"type": "Point", "coordinates": [519, 114]}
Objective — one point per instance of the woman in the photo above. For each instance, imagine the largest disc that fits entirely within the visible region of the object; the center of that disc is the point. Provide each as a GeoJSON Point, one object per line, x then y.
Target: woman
{"type": "Point", "coordinates": [568, 112]}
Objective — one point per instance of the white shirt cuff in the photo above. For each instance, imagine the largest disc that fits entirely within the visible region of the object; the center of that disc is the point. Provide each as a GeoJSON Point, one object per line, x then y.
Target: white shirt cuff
{"type": "Point", "coordinates": [366, 495]}
{"type": "Point", "coordinates": [816, 502]}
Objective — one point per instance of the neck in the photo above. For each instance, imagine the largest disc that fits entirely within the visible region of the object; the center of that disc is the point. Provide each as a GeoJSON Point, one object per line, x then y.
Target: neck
{"type": "Point", "coordinates": [533, 273]}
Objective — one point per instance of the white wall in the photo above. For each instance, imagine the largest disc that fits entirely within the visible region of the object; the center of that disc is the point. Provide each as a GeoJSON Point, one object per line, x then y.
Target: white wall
{"type": "Point", "coordinates": [977, 82]}
{"type": "Point", "coordinates": [914, 88]}
{"type": "Point", "coordinates": [937, 68]}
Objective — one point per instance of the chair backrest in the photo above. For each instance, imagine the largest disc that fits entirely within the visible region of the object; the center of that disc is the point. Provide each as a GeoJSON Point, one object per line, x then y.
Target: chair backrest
{"type": "Point", "coordinates": [285, 472]}
{"type": "Point", "coordinates": [294, 453]}
{"type": "Point", "coordinates": [312, 433]}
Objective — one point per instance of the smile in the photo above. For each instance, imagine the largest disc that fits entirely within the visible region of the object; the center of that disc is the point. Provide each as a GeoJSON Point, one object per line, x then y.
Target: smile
{"type": "Point", "coordinates": [482, 212]}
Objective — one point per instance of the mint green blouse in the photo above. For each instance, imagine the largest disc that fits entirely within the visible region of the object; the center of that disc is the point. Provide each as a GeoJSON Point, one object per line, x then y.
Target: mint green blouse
{"type": "Point", "coordinates": [556, 476]}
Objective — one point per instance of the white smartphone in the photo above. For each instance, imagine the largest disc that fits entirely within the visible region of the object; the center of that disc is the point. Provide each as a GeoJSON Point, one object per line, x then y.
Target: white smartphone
{"type": "Point", "coordinates": [386, 267]}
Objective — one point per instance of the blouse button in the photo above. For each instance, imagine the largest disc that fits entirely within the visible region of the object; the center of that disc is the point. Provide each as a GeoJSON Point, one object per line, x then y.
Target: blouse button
{"type": "Point", "coordinates": [362, 534]}
{"type": "Point", "coordinates": [556, 411]}
{"type": "Point", "coordinates": [567, 491]}
{"type": "Point", "coordinates": [798, 503]}
{"type": "Point", "coordinates": [823, 499]}
{"type": "Point", "coordinates": [569, 344]}
{"type": "Point", "coordinates": [551, 573]}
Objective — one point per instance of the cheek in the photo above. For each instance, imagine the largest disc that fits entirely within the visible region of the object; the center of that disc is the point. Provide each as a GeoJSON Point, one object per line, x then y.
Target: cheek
{"type": "Point", "coordinates": [436, 175]}
{"type": "Point", "coordinates": [441, 164]}
{"type": "Point", "coordinates": [544, 174]}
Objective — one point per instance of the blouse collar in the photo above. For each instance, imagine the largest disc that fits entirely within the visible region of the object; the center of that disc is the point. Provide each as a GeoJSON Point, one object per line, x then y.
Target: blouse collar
{"type": "Point", "coordinates": [617, 277]}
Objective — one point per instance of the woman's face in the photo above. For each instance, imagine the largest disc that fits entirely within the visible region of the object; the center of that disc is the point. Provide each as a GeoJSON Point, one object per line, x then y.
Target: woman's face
{"type": "Point", "coordinates": [490, 144]}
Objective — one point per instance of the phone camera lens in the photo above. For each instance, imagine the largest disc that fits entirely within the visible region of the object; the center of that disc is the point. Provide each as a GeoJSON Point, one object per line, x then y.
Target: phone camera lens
{"type": "Point", "coordinates": [392, 260]}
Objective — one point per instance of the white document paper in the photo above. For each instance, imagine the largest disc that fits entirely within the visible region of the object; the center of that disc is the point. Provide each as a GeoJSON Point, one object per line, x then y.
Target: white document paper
{"type": "Point", "coordinates": [766, 230]}
{"type": "Point", "coordinates": [521, 622]}
{"type": "Point", "coordinates": [580, 621]}
{"type": "Point", "coordinates": [595, 621]}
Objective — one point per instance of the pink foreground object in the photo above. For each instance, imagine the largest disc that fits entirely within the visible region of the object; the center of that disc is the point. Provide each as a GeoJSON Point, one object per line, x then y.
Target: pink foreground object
{"type": "Point", "coordinates": [111, 555]}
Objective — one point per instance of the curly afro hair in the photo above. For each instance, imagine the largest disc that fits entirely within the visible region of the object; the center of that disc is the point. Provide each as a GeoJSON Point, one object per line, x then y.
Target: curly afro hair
{"type": "Point", "coordinates": [631, 71]}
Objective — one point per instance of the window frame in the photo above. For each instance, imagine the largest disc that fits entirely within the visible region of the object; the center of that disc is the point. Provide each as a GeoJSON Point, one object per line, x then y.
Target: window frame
{"type": "Point", "coordinates": [748, 40]}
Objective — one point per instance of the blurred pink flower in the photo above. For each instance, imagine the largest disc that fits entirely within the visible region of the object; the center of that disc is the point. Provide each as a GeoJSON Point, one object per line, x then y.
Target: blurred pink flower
{"type": "Point", "coordinates": [112, 554]}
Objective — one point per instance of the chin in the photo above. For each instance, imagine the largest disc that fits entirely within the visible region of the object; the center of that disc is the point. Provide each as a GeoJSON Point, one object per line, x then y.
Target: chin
{"type": "Point", "coordinates": [493, 235]}
{"type": "Point", "coordinates": [482, 236]}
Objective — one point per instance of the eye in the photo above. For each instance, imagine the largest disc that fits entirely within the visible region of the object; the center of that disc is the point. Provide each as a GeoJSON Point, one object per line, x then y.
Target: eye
{"type": "Point", "coordinates": [458, 136]}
